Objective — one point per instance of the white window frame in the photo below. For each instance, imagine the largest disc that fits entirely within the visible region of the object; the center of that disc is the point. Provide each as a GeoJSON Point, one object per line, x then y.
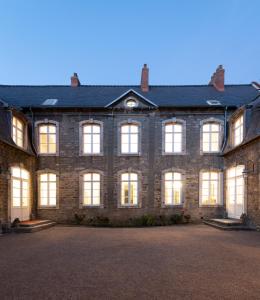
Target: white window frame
{"type": "Point", "coordinates": [174, 121]}
{"type": "Point", "coordinates": [47, 122]}
{"type": "Point", "coordinates": [208, 122]}
{"type": "Point", "coordinates": [130, 134]}
{"type": "Point", "coordinates": [48, 172]}
{"type": "Point", "coordinates": [82, 192]}
{"type": "Point", "coordinates": [16, 129]}
{"type": "Point", "coordinates": [90, 122]}
{"type": "Point", "coordinates": [219, 201]}
{"type": "Point", "coordinates": [21, 180]}
{"type": "Point", "coordinates": [163, 188]}
{"type": "Point", "coordinates": [238, 128]}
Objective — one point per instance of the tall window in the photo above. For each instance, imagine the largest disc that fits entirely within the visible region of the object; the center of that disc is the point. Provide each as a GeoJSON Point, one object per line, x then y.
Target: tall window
{"type": "Point", "coordinates": [129, 189]}
{"type": "Point", "coordinates": [18, 132]}
{"type": "Point", "coordinates": [172, 188]}
{"type": "Point", "coordinates": [48, 190]}
{"type": "Point", "coordinates": [211, 137]}
{"type": "Point", "coordinates": [238, 130]}
{"type": "Point", "coordinates": [20, 187]}
{"type": "Point", "coordinates": [129, 138]}
{"type": "Point", "coordinates": [91, 139]}
{"type": "Point", "coordinates": [210, 188]}
{"type": "Point", "coordinates": [235, 191]}
{"type": "Point", "coordinates": [173, 138]}
{"type": "Point", "coordinates": [91, 189]}
{"type": "Point", "coordinates": [47, 139]}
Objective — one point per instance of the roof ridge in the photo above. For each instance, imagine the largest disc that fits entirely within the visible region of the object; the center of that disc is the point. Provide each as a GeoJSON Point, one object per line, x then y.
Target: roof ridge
{"type": "Point", "coordinates": [121, 85]}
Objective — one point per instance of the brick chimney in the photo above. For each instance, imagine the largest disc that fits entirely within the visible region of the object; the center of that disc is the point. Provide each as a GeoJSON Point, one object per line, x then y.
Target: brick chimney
{"type": "Point", "coordinates": [145, 79]}
{"type": "Point", "coordinates": [75, 80]}
{"type": "Point", "coordinates": [218, 79]}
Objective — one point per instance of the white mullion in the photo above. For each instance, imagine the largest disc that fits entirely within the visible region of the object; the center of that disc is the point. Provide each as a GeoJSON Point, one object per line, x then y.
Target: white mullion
{"type": "Point", "coordinates": [129, 139]}
{"type": "Point", "coordinates": [91, 188]}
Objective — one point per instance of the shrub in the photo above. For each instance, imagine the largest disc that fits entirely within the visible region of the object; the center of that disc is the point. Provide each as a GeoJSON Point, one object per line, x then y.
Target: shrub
{"type": "Point", "coordinates": [79, 218]}
{"type": "Point", "coordinates": [187, 217]}
{"type": "Point", "coordinates": [176, 218]}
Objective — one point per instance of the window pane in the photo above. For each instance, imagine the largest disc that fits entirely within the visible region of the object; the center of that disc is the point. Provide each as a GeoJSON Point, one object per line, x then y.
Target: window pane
{"type": "Point", "coordinates": [87, 129]}
{"type": "Point", "coordinates": [52, 148]}
{"type": "Point", "coordinates": [134, 128]}
{"type": "Point", "coordinates": [43, 148]}
{"type": "Point", "coordinates": [124, 148]}
{"type": "Point", "coordinates": [168, 147]}
{"type": "Point", "coordinates": [133, 176]}
{"type": "Point", "coordinates": [52, 138]}
{"type": "Point", "coordinates": [87, 177]}
{"type": "Point", "coordinates": [96, 138]}
{"type": "Point", "coordinates": [215, 127]}
{"type": "Point", "coordinates": [96, 148]}
{"type": "Point", "coordinates": [43, 129]}
{"type": "Point", "coordinates": [169, 128]}
{"type": "Point", "coordinates": [124, 177]}
{"type": "Point", "coordinates": [124, 193]}
{"type": "Point", "coordinates": [96, 129]}
{"type": "Point", "coordinates": [125, 129]}
{"type": "Point", "coordinates": [52, 129]}
{"type": "Point", "coordinates": [52, 177]}
{"type": "Point", "coordinates": [206, 127]}
{"type": "Point", "coordinates": [134, 148]}
{"type": "Point", "coordinates": [96, 176]}
{"type": "Point", "coordinates": [43, 139]}
{"type": "Point", "coordinates": [168, 176]}
{"type": "Point", "coordinates": [177, 128]}
{"type": "Point", "coordinates": [177, 147]}
{"type": "Point", "coordinates": [44, 177]}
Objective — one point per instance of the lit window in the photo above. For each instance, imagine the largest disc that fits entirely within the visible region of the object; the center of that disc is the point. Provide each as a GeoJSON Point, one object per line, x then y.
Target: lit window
{"type": "Point", "coordinates": [91, 139]}
{"type": "Point", "coordinates": [129, 139]}
{"type": "Point", "coordinates": [211, 137]}
{"type": "Point", "coordinates": [131, 103]}
{"type": "Point", "coordinates": [129, 189]}
{"type": "Point", "coordinates": [48, 190]}
{"type": "Point", "coordinates": [172, 188]}
{"type": "Point", "coordinates": [91, 189]}
{"type": "Point", "coordinates": [235, 191]}
{"type": "Point", "coordinates": [238, 130]}
{"type": "Point", "coordinates": [210, 188]}
{"type": "Point", "coordinates": [20, 187]}
{"type": "Point", "coordinates": [173, 138]}
{"type": "Point", "coordinates": [47, 139]}
{"type": "Point", "coordinates": [18, 132]}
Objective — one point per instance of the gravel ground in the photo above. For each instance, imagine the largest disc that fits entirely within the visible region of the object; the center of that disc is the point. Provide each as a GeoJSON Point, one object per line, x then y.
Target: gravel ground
{"type": "Point", "coordinates": [178, 262]}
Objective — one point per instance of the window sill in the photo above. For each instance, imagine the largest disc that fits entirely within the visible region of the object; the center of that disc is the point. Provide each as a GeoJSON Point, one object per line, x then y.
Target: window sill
{"type": "Point", "coordinates": [211, 153]}
{"type": "Point", "coordinates": [91, 206]}
{"type": "Point", "coordinates": [172, 205]}
{"type": "Point", "coordinates": [173, 153]}
{"type": "Point", "coordinates": [210, 205]}
{"type": "Point", "coordinates": [129, 154]}
{"type": "Point", "coordinates": [129, 206]}
{"type": "Point", "coordinates": [48, 207]}
{"type": "Point", "coordinates": [92, 154]}
{"type": "Point", "coordinates": [48, 154]}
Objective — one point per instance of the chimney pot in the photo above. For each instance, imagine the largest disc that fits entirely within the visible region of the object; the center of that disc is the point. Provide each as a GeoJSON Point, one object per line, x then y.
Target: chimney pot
{"type": "Point", "coordinates": [218, 79]}
{"type": "Point", "coordinates": [145, 79]}
{"type": "Point", "coordinates": [75, 80]}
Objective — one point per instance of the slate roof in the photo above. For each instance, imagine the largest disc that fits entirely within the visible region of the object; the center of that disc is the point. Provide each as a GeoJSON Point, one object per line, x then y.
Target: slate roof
{"type": "Point", "coordinates": [101, 95]}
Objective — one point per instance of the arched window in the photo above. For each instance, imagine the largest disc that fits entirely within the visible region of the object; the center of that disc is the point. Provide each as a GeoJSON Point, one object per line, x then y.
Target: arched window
{"type": "Point", "coordinates": [47, 190]}
{"type": "Point", "coordinates": [174, 136]}
{"type": "Point", "coordinates": [18, 132]}
{"type": "Point", "coordinates": [91, 135]}
{"type": "Point", "coordinates": [129, 138]}
{"type": "Point", "coordinates": [211, 137]}
{"type": "Point", "coordinates": [210, 188]}
{"type": "Point", "coordinates": [173, 183]}
{"type": "Point", "coordinates": [91, 189]}
{"type": "Point", "coordinates": [47, 138]}
{"type": "Point", "coordinates": [129, 189]}
{"type": "Point", "coordinates": [238, 130]}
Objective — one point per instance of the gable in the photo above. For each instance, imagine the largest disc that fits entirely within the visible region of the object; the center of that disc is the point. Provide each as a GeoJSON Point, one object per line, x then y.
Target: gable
{"type": "Point", "coordinates": [131, 99]}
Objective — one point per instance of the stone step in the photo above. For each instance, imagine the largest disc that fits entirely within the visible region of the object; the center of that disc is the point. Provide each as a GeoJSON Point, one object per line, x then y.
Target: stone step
{"type": "Point", "coordinates": [227, 222]}
{"type": "Point", "coordinates": [33, 223]}
{"type": "Point", "coordinates": [225, 227]}
{"type": "Point", "coordinates": [34, 227]}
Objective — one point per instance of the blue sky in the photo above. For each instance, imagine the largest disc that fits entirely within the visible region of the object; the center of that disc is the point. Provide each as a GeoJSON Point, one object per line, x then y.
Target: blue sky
{"type": "Point", "coordinates": [107, 42]}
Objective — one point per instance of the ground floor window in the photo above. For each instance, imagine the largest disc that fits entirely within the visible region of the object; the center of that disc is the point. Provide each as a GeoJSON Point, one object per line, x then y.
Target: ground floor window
{"type": "Point", "coordinates": [48, 190]}
{"type": "Point", "coordinates": [210, 188]}
{"type": "Point", "coordinates": [91, 189]}
{"type": "Point", "coordinates": [129, 189]}
{"type": "Point", "coordinates": [172, 188]}
{"type": "Point", "coordinates": [20, 187]}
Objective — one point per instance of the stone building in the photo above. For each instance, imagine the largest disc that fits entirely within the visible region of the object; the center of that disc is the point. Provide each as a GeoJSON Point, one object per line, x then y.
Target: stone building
{"type": "Point", "coordinates": [126, 151]}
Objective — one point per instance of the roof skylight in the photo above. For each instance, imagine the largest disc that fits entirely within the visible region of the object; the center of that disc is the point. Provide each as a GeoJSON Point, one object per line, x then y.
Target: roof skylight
{"type": "Point", "coordinates": [50, 102]}
{"type": "Point", "coordinates": [213, 102]}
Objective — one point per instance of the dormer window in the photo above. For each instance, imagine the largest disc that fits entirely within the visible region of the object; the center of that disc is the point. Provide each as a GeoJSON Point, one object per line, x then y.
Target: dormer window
{"type": "Point", "coordinates": [131, 103]}
{"type": "Point", "coordinates": [238, 130]}
{"type": "Point", "coordinates": [18, 132]}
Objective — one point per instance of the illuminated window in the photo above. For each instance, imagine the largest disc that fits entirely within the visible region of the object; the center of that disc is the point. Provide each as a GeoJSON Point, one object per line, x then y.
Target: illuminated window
{"type": "Point", "coordinates": [210, 188]}
{"type": "Point", "coordinates": [129, 189]}
{"type": "Point", "coordinates": [47, 139]}
{"type": "Point", "coordinates": [238, 130]}
{"type": "Point", "coordinates": [172, 188]}
{"type": "Point", "coordinates": [48, 190]}
{"type": "Point", "coordinates": [129, 139]}
{"type": "Point", "coordinates": [173, 138]}
{"type": "Point", "coordinates": [211, 137]}
{"type": "Point", "coordinates": [91, 139]}
{"type": "Point", "coordinates": [18, 132]}
{"type": "Point", "coordinates": [91, 189]}
{"type": "Point", "coordinates": [20, 187]}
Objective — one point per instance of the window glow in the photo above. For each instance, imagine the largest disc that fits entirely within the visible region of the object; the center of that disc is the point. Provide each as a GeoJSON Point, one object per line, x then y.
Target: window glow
{"type": "Point", "coordinates": [48, 189]}
{"type": "Point", "coordinates": [172, 188]}
{"type": "Point", "coordinates": [173, 138]}
{"type": "Point", "coordinates": [129, 139]}
{"type": "Point", "coordinates": [129, 189]}
{"type": "Point", "coordinates": [20, 187]}
{"type": "Point", "coordinates": [238, 130]}
{"type": "Point", "coordinates": [47, 139]}
{"type": "Point", "coordinates": [210, 188]}
{"type": "Point", "coordinates": [91, 189]}
{"type": "Point", "coordinates": [211, 137]}
{"type": "Point", "coordinates": [91, 139]}
{"type": "Point", "coordinates": [18, 132]}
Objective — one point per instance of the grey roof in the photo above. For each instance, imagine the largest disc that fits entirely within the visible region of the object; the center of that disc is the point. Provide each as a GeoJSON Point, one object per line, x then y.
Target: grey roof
{"type": "Point", "coordinates": [101, 95]}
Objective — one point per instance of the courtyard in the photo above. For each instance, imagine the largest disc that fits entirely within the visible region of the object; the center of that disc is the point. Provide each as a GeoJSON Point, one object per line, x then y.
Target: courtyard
{"type": "Point", "coordinates": [177, 262]}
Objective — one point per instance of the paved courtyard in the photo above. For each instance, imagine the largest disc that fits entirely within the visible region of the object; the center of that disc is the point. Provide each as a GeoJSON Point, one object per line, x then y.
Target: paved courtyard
{"type": "Point", "coordinates": [181, 262]}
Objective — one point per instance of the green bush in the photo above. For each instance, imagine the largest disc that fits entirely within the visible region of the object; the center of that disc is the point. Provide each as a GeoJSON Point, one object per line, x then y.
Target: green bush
{"type": "Point", "coordinates": [176, 218]}
{"type": "Point", "coordinates": [79, 218]}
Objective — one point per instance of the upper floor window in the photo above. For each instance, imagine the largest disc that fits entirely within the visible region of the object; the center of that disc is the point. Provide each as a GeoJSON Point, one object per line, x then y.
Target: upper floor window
{"type": "Point", "coordinates": [18, 132]}
{"type": "Point", "coordinates": [173, 137]}
{"type": "Point", "coordinates": [48, 190]}
{"type": "Point", "coordinates": [210, 188]}
{"type": "Point", "coordinates": [211, 137]}
{"type": "Point", "coordinates": [172, 188]}
{"type": "Point", "coordinates": [47, 138]}
{"type": "Point", "coordinates": [238, 129]}
{"type": "Point", "coordinates": [91, 189]}
{"type": "Point", "coordinates": [130, 139]}
{"type": "Point", "coordinates": [91, 138]}
{"type": "Point", "coordinates": [129, 189]}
